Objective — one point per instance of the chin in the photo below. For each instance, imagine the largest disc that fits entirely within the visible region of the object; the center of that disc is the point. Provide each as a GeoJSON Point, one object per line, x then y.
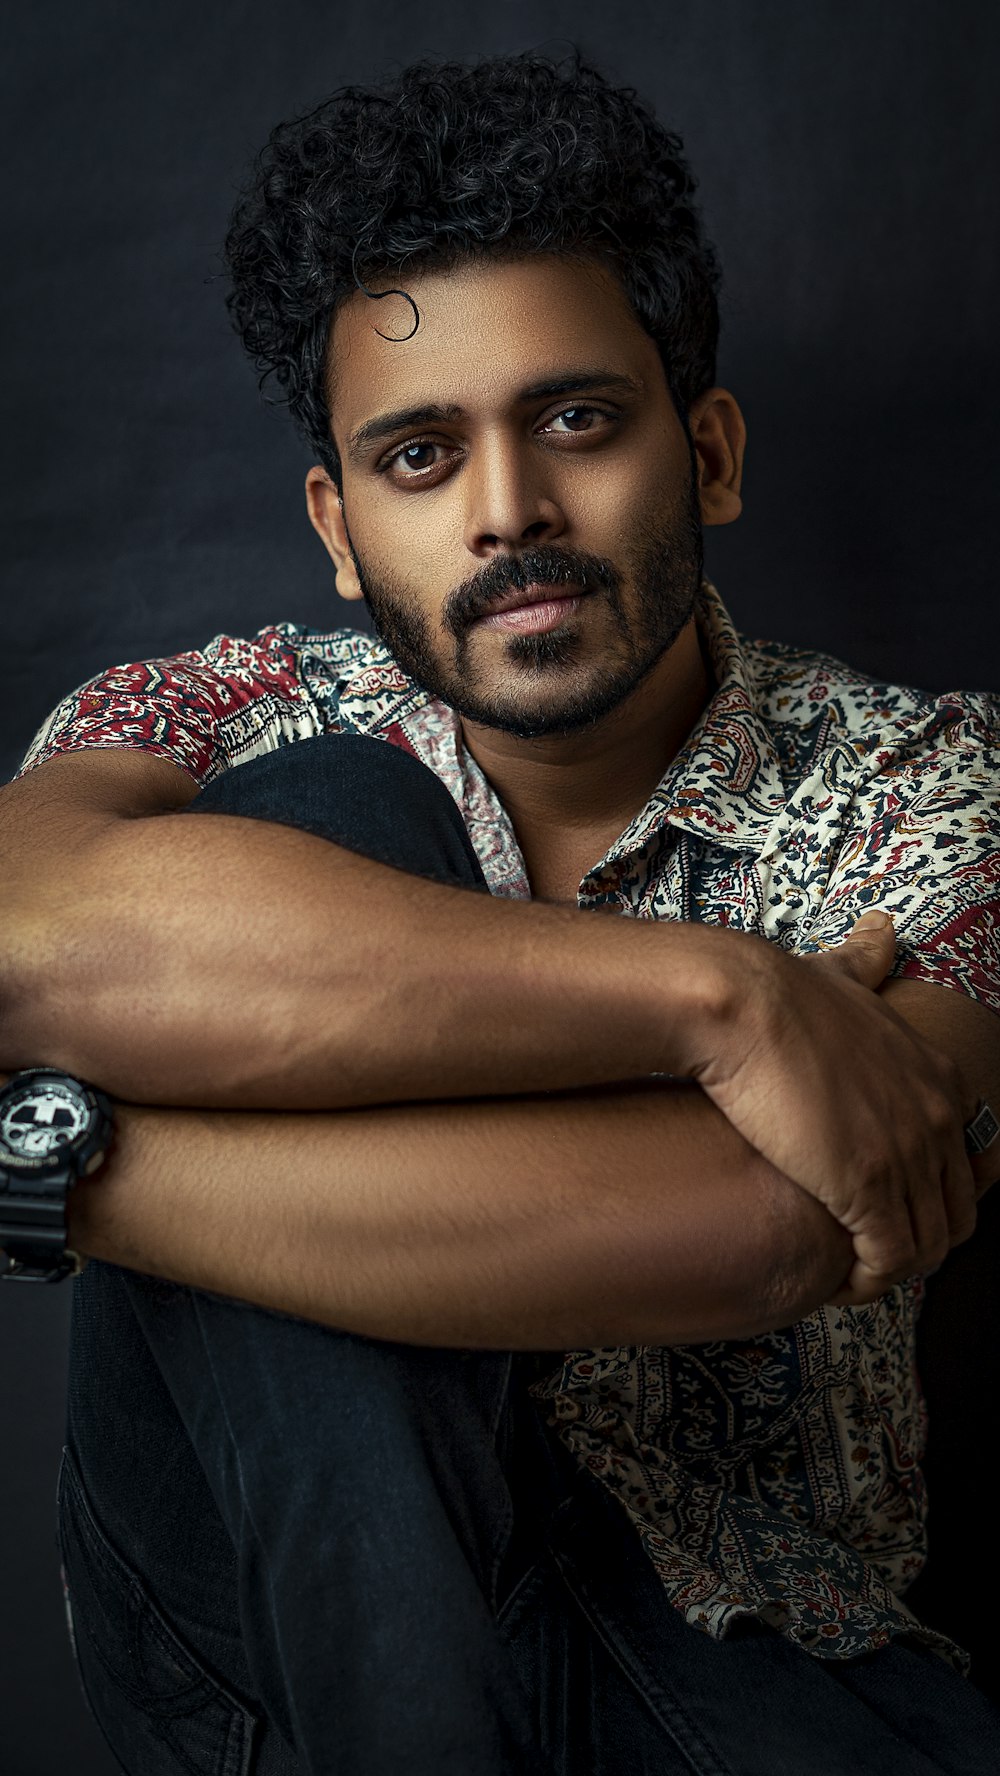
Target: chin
{"type": "Point", "coordinates": [537, 719]}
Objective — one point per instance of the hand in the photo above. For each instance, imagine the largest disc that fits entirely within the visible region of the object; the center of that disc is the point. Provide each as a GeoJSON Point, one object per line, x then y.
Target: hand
{"type": "Point", "coordinates": [842, 1095]}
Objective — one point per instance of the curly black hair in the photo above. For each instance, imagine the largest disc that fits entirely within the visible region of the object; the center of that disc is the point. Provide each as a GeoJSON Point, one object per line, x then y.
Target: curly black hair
{"type": "Point", "coordinates": [514, 155]}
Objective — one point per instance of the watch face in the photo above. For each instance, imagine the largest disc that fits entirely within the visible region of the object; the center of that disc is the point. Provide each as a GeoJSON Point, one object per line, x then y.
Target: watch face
{"type": "Point", "coordinates": [40, 1117]}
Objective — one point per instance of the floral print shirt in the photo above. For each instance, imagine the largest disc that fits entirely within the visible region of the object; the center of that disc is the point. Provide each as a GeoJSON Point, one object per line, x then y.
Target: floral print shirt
{"type": "Point", "coordinates": [776, 1477]}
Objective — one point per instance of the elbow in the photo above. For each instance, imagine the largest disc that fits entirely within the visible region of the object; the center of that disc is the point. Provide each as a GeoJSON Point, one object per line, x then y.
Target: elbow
{"type": "Point", "coordinates": [801, 1258]}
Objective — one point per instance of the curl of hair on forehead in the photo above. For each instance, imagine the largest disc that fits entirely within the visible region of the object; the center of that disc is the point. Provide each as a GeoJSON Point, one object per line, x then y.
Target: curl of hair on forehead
{"type": "Point", "coordinates": [377, 295]}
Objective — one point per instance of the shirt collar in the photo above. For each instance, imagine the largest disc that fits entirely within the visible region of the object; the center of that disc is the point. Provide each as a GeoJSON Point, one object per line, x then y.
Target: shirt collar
{"type": "Point", "coordinates": [723, 785]}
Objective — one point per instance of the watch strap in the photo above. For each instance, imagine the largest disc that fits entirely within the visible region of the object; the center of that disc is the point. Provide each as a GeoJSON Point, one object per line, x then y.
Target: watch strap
{"type": "Point", "coordinates": [36, 1228]}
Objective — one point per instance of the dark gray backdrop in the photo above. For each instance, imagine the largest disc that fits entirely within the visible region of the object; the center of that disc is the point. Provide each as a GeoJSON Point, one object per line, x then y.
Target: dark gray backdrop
{"type": "Point", "coordinates": [848, 158]}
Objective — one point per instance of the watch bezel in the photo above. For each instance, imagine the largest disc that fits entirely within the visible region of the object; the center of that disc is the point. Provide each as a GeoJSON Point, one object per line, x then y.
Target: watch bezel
{"type": "Point", "coordinates": [74, 1155]}
{"type": "Point", "coordinates": [34, 1191]}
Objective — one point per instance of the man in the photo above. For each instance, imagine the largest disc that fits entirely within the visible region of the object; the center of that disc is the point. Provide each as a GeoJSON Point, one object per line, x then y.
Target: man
{"type": "Point", "coordinates": [573, 1425]}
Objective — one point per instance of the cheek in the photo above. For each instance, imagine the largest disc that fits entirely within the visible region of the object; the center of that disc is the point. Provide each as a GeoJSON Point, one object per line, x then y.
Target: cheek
{"type": "Point", "coordinates": [406, 543]}
{"type": "Point", "coordinates": [616, 510]}
{"type": "Point", "coordinates": [400, 576]}
{"type": "Point", "coordinates": [645, 482]}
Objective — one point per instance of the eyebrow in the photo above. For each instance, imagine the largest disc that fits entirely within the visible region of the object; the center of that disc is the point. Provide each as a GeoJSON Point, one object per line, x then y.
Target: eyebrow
{"type": "Point", "coordinates": [402, 419]}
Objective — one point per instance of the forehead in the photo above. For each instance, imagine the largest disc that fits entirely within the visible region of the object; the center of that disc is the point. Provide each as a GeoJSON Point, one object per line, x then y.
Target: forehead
{"type": "Point", "coordinates": [485, 331]}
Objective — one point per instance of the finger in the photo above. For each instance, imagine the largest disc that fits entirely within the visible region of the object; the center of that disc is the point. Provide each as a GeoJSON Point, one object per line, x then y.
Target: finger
{"type": "Point", "coordinates": [931, 1225]}
{"type": "Point", "coordinates": [884, 1233]}
{"type": "Point", "coordinates": [886, 1254]}
{"type": "Point", "coordinates": [985, 1167]}
{"type": "Point", "coordinates": [982, 1183]}
{"type": "Point", "coordinates": [914, 1228]}
{"type": "Point", "coordinates": [863, 1285]}
{"type": "Point", "coordinates": [943, 1204]}
{"type": "Point", "coordinates": [867, 952]}
{"type": "Point", "coordinates": [958, 1194]}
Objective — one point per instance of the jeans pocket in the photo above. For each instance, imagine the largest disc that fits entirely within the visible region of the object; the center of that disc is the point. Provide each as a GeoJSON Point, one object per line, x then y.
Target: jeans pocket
{"type": "Point", "coordinates": [159, 1709]}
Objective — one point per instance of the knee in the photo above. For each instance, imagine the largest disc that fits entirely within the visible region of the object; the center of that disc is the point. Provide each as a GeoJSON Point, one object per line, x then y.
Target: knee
{"type": "Point", "coordinates": [364, 794]}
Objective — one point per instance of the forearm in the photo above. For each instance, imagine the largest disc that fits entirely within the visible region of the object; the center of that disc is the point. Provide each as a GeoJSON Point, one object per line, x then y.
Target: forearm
{"type": "Point", "coordinates": [542, 1223]}
{"type": "Point", "coordinates": [222, 962]}
{"type": "Point", "coordinates": [228, 962]}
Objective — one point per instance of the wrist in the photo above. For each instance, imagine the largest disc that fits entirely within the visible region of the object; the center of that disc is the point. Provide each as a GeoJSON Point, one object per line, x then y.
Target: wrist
{"type": "Point", "coordinates": [630, 999]}
{"type": "Point", "coordinates": [716, 981]}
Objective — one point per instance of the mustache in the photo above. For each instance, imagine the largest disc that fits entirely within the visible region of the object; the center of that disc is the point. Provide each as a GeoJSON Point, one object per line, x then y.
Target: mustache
{"type": "Point", "coordinates": [476, 596]}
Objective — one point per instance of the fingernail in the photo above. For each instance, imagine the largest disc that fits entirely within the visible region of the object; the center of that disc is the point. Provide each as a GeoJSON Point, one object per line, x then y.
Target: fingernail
{"type": "Point", "coordinates": [871, 920]}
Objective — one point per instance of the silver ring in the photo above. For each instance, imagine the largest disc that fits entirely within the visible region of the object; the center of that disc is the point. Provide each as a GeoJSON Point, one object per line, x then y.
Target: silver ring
{"type": "Point", "coordinates": [983, 1130]}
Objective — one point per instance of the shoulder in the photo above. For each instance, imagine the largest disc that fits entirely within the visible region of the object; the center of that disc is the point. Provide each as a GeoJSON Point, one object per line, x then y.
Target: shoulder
{"type": "Point", "coordinates": [814, 703]}
{"type": "Point", "coordinates": [280, 651]}
{"type": "Point", "coordinates": [210, 707]}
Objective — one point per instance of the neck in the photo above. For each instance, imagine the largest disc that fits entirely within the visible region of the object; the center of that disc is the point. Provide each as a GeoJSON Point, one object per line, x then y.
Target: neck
{"type": "Point", "coordinates": [590, 785]}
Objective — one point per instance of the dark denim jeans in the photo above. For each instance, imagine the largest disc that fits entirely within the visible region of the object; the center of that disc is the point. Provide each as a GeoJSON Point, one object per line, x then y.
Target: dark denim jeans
{"type": "Point", "coordinates": [291, 1550]}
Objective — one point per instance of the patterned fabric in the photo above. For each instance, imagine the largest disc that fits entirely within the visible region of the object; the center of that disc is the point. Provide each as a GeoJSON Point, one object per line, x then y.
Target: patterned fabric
{"type": "Point", "coordinates": [777, 1477]}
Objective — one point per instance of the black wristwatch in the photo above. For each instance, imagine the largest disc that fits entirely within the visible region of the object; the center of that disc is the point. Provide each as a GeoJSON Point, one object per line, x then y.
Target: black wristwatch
{"type": "Point", "coordinates": [54, 1129]}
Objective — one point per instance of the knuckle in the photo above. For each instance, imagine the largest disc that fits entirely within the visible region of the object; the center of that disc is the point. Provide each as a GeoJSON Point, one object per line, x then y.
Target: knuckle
{"type": "Point", "coordinates": [943, 1114]}
{"type": "Point", "coordinates": [923, 1146]}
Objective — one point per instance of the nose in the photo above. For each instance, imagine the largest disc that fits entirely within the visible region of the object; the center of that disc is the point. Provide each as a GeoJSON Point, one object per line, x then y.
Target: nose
{"type": "Point", "coordinates": [509, 503]}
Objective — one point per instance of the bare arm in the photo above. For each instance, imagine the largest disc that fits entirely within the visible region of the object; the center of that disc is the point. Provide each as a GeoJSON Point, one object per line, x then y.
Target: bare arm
{"type": "Point", "coordinates": [541, 1223]}
{"type": "Point", "coordinates": [229, 962]}
{"type": "Point", "coordinates": [549, 1222]}
{"type": "Point", "coordinates": [241, 964]}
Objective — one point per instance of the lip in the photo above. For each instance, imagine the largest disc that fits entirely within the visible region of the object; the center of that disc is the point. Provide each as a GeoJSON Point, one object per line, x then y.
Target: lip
{"type": "Point", "coordinates": [533, 594]}
{"type": "Point", "coordinates": [522, 610]}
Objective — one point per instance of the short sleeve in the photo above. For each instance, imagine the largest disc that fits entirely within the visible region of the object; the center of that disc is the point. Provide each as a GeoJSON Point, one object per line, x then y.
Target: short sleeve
{"type": "Point", "coordinates": [924, 845]}
{"type": "Point", "coordinates": [203, 710]}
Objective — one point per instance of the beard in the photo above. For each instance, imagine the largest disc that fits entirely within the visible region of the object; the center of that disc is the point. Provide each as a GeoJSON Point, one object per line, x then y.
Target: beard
{"type": "Point", "coordinates": [550, 687]}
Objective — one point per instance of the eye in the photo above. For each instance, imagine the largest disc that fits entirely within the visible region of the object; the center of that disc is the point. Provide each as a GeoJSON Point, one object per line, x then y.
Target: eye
{"type": "Point", "coordinates": [414, 458]}
{"type": "Point", "coordinates": [577, 420]}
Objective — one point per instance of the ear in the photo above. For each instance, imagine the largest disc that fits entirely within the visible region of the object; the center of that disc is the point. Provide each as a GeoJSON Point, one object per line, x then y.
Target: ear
{"type": "Point", "coordinates": [326, 515]}
{"type": "Point", "coordinates": [719, 435]}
